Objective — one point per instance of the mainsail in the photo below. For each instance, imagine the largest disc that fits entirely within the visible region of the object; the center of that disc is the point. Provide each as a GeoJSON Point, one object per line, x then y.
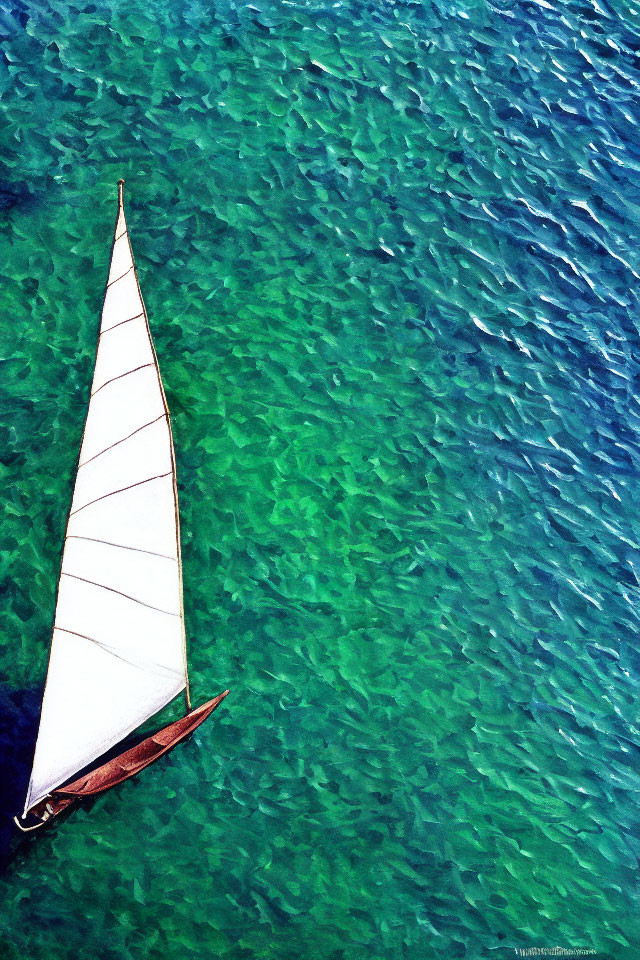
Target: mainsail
{"type": "Point", "coordinates": [118, 652]}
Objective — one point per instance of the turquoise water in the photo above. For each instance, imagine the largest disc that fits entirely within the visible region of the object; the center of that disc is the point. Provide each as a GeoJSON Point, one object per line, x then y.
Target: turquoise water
{"type": "Point", "coordinates": [389, 253]}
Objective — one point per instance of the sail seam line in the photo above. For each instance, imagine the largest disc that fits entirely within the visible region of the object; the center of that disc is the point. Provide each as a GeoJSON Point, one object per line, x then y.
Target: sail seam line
{"type": "Point", "coordinates": [157, 667]}
{"type": "Point", "coordinates": [122, 275]}
{"type": "Point", "coordinates": [120, 376]}
{"type": "Point", "coordinates": [128, 437]}
{"type": "Point", "coordinates": [122, 546]}
{"type": "Point", "coordinates": [120, 324]}
{"type": "Point", "coordinates": [121, 490]}
{"type": "Point", "coordinates": [123, 234]}
{"type": "Point", "coordinates": [103, 586]}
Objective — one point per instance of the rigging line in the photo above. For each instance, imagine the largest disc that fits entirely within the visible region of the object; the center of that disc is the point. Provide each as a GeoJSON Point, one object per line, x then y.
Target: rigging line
{"type": "Point", "coordinates": [122, 275]}
{"type": "Point", "coordinates": [121, 235]}
{"type": "Point", "coordinates": [121, 490]}
{"type": "Point", "coordinates": [128, 437]}
{"type": "Point", "coordinates": [120, 324]}
{"type": "Point", "coordinates": [103, 586]}
{"type": "Point", "coordinates": [120, 376]}
{"type": "Point", "coordinates": [156, 667]}
{"type": "Point", "coordinates": [122, 546]}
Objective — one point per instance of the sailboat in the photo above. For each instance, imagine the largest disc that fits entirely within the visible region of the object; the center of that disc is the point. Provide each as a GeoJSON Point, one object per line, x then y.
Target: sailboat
{"type": "Point", "coordinates": [118, 651]}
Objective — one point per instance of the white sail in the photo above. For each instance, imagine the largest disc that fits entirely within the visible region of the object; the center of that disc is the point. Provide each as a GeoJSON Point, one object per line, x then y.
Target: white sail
{"type": "Point", "coordinates": [118, 650]}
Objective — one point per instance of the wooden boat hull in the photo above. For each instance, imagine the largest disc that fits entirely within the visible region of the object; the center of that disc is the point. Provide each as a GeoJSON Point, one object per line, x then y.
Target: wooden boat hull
{"type": "Point", "coordinates": [122, 767]}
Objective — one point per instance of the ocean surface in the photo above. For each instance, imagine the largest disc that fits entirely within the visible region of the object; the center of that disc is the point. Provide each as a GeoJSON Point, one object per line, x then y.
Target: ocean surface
{"type": "Point", "coordinates": [390, 254]}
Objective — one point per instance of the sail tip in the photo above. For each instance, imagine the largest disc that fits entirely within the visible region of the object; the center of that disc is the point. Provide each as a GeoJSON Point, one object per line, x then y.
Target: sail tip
{"type": "Point", "coordinates": [120, 192]}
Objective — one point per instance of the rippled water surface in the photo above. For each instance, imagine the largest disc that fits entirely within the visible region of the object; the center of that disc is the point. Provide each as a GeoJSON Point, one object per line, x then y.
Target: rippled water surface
{"type": "Point", "coordinates": [390, 256]}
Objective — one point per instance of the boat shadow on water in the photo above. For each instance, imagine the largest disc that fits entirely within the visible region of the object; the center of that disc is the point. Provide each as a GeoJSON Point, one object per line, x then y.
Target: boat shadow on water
{"type": "Point", "coordinates": [19, 722]}
{"type": "Point", "coordinates": [19, 719]}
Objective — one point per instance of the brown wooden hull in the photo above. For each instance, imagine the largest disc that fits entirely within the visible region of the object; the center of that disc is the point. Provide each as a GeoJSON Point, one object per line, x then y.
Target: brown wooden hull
{"type": "Point", "coordinates": [126, 765]}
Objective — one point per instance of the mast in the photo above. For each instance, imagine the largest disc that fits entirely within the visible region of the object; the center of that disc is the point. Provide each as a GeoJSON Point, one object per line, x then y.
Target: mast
{"type": "Point", "coordinates": [187, 689]}
{"type": "Point", "coordinates": [118, 650]}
